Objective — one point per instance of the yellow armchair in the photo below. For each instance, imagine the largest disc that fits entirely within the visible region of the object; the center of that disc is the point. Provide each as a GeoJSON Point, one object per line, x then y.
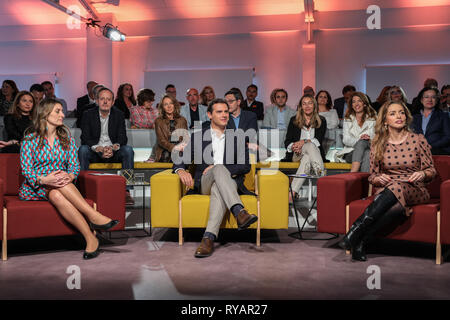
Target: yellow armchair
{"type": "Point", "coordinates": [170, 208]}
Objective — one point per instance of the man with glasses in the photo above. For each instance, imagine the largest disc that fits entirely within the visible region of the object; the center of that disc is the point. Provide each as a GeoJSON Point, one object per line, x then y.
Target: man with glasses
{"type": "Point", "coordinates": [250, 104]}
{"type": "Point", "coordinates": [278, 116]}
{"type": "Point", "coordinates": [194, 113]}
{"type": "Point", "coordinates": [172, 91]}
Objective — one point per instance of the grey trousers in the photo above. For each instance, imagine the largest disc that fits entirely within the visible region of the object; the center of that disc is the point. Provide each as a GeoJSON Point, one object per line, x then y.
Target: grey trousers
{"type": "Point", "coordinates": [361, 154]}
{"type": "Point", "coordinates": [310, 161]}
{"type": "Point", "coordinates": [223, 190]}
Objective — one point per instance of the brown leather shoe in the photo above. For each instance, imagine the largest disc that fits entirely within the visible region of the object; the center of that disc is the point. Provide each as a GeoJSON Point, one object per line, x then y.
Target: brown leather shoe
{"type": "Point", "coordinates": [129, 201]}
{"type": "Point", "coordinates": [244, 219]}
{"type": "Point", "coordinates": [205, 249]}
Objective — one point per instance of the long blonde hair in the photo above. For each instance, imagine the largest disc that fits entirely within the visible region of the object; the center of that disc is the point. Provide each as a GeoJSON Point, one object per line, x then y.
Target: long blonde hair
{"type": "Point", "coordinates": [382, 131]}
{"type": "Point", "coordinates": [300, 119]}
{"type": "Point", "coordinates": [39, 126]}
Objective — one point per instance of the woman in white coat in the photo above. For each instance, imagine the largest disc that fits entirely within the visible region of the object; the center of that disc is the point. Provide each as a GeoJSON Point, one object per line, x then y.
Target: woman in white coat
{"type": "Point", "coordinates": [358, 131]}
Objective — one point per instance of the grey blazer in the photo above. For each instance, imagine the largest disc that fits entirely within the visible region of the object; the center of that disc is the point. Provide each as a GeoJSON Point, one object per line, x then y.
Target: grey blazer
{"type": "Point", "coordinates": [271, 117]}
{"type": "Point", "coordinates": [185, 112]}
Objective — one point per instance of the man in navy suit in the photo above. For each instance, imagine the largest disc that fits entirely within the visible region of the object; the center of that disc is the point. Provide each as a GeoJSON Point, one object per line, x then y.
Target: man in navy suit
{"type": "Point", "coordinates": [341, 104]}
{"type": "Point", "coordinates": [221, 161]}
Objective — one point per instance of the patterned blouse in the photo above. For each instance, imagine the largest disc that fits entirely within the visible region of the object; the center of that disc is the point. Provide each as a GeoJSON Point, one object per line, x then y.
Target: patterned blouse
{"type": "Point", "coordinates": [36, 161]}
{"type": "Point", "coordinates": [143, 118]}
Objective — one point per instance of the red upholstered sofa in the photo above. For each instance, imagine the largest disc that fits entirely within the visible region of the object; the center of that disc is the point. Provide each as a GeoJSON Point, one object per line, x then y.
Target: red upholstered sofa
{"type": "Point", "coordinates": [342, 198]}
{"type": "Point", "coordinates": [34, 219]}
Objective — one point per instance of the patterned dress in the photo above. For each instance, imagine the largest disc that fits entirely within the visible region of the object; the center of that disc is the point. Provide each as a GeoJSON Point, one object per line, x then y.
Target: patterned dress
{"type": "Point", "coordinates": [400, 162]}
{"type": "Point", "coordinates": [36, 162]}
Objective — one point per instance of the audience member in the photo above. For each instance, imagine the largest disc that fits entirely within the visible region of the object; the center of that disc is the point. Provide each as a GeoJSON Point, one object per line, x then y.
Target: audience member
{"type": "Point", "coordinates": [397, 94]}
{"type": "Point", "coordinates": [416, 104]}
{"type": "Point", "coordinates": [37, 90]}
{"type": "Point", "coordinates": [194, 113]}
{"type": "Point", "coordinates": [88, 98]}
{"type": "Point", "coordinates": [400, 183]}
{"type": "Point", "coordinates": [79, 112]}
{"type": "Point", "coordinates": [7, 96]}
{"type": "Point", "coordinates": [250, 104]}
{"type": "Point", "coordinates": [359, 129]}
{"type": "Point", "coordinates": [49, 91]}
{"type": "Point", "coordinates": [278, 115]}
{"type": "Point", "coordinates": [207, 95]}
{"type": "Point", "coordinates": [50, 165]}
{"type": "Point", "coordinates": [16, 121]}
{"type": "Point", "coordinates": [432, 122]}
{"type": "Point", "coordinates": [445, 98]}
{"type": "Point", "coordinates": [168, 121]}
{"type": "Point", "coordinates": [325, 104]}
{"type": "Point", "coordinates": [125, 99]}
{"type": "Point", "coordinates": [308, 90]}
{"type": "Point", "coordinates": [172, 91]}
{"type": "Point", "coordinates": [341, 104]}
{"type": "Point", "coordinates": [215, 176]}
{"type": "Point", "coordinates": [143, 115]}
{"type": "Point", "coordinates": [104, 137]}
{"type": "Point", "coordinates": [304, 139]}
{"type": "Point", "coordinates": [382, 98]}
{"type": "Point", "coordinates": [239, 119]}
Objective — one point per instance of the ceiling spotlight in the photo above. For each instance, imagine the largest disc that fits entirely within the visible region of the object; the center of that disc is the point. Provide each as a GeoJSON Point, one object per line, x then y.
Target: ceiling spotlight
{"type": "Point", "coordinates": [112, 33]}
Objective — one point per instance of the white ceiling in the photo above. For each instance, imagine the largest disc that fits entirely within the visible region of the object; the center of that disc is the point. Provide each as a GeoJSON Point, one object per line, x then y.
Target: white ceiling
{"type": "Point", "coordinates": [32, 12]}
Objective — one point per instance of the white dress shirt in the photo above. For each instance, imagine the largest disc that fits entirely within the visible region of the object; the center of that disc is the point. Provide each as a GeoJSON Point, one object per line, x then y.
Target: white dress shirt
{"type": "Point", "coordinates": [218, 146]}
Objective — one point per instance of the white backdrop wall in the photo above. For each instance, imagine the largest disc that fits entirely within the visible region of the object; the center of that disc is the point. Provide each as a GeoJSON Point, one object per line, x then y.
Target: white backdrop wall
{"type": "Point", "coordinates": [343, 55]}
{"type": "Point", "coordinates": [276, 57]}
{"type": "Point", "coordinates": [65, 57]}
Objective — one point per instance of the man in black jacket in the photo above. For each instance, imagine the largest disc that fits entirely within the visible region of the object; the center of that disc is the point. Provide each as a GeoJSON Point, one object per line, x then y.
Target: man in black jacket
{"type": "Point", "coordinates": [250, 104]}
{"type": "Point", "coordinates": [103, 135]}
{"type": "Point", "coordinates": [221, 160]}
{"type": "Point", "coordinates": [87, 103]}
{"type": "Point", "coordinates": [341, 104]}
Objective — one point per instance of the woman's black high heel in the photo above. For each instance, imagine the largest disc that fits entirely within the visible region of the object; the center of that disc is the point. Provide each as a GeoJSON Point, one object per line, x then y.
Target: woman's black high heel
{"type": "Point", "coordinates": [92, 255]}
{"type": "Point", "coordinates": [104, 227]}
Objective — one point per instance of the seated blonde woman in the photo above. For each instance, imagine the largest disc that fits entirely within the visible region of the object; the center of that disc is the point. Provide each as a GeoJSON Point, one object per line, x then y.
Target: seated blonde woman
{"type": "Point", "coordinates": [358, 131]}
{"type": "Point", "coordinates": [303, 141]}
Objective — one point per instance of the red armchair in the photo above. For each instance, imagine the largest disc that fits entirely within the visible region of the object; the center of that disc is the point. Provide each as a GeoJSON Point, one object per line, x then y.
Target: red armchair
{"type": "Point", "coordinates": [342, 198]}
{"type": "Point", "coordinates": [34, 219]}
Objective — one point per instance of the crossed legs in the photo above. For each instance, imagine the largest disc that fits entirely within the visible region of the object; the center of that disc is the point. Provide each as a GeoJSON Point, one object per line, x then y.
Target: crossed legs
{"type": "Point", "coordinates": [72, 206]}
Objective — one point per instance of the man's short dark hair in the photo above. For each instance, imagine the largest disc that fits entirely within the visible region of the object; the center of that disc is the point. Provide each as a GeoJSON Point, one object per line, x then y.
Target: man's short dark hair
{"type": "Point", "coordinates": [87, 84]}
{"type": "Point", "coordinates": [216, 101]}
{"type": "Point", "coordinates": [46, 82]}
{"type": "Point", "coordinates": [348, 88]}
{"type": "Point", "coordinates": [170, 86]}
{"type": "Point", "coordinates": [236, 93]}
{"type": "Point", "coordinates": [252, 86]}
{"type": "Point", "coordinates": [37, 87]}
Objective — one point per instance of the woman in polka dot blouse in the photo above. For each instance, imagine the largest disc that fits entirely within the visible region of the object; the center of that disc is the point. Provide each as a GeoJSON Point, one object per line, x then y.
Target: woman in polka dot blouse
{"type": "Point", "coordinates": [400, 165]}
{"type": "Point", "coordinates": [49, 163]}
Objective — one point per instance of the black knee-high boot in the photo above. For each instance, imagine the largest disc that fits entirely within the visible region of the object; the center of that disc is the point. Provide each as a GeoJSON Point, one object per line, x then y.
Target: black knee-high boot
{"type": "Point", "coordinates": [392, 218]}
{"type": "Point", "coordinates": [382, 203]}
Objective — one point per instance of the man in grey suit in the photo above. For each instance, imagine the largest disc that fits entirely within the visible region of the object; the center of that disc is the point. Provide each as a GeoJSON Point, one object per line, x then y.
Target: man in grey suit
{"type": "Point", "coordinates": [278, 116]}
{"type": "Point", "coordinates": [194, 113]}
